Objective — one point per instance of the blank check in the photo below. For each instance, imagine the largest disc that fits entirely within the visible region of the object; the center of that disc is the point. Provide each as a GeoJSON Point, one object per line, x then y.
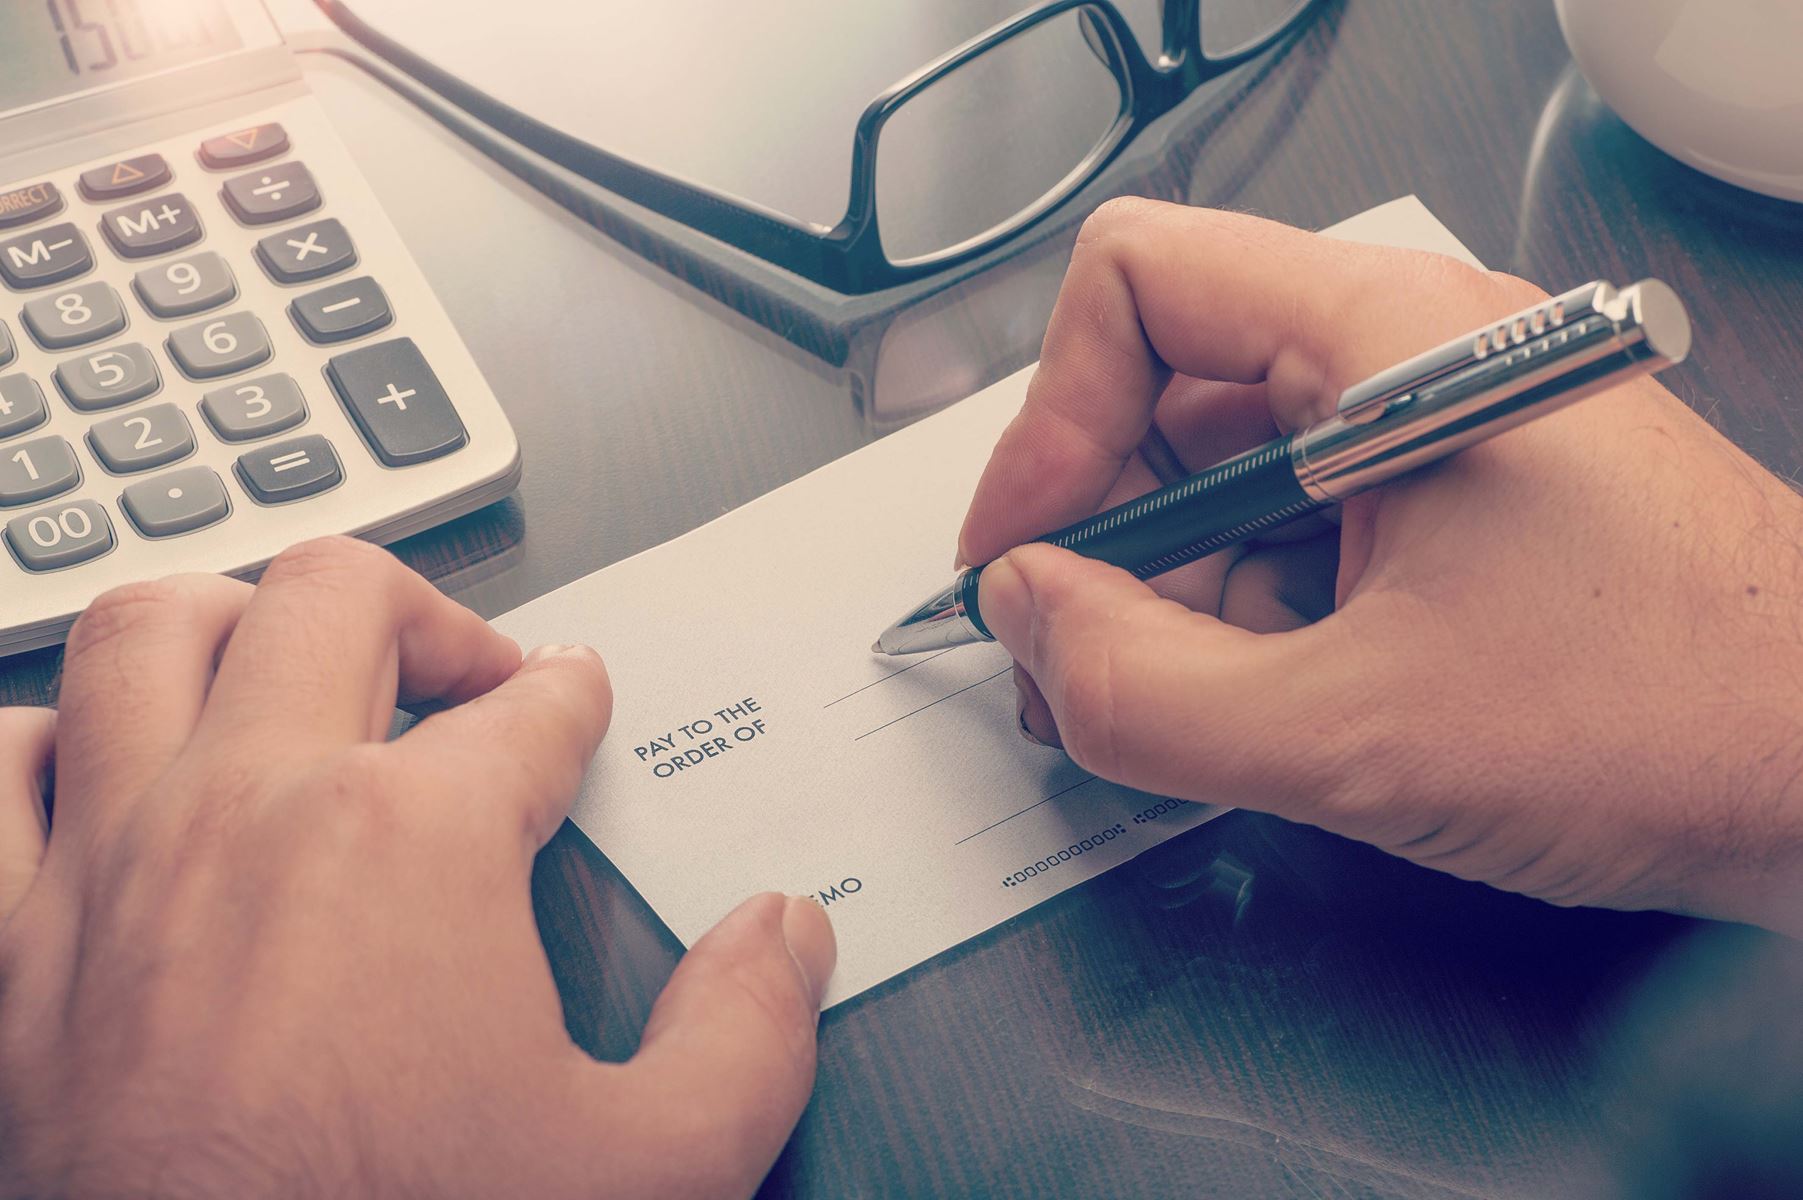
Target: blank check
{"type": "Point", "coordinates": [757, 744]}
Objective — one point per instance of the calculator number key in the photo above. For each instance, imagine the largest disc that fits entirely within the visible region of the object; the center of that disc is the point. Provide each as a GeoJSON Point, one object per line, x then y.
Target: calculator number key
{"type": "Point", "coordinates": [229, 344]}
{"type": "Point", "coordinates": [61, 536]}
{"type": "Point", "coordinates": [396, 402]}
{"type": "Point", "coordinates": [75, 317]}
{"type": "Point", "coordinates": [150, 437]}
{"type": "Point", "coordinates": [179, 502]}
{"type": "Point", "coordinates": [22, 406]}
{"type": "Point", "coordinates": [272, 194]}
{"type": "Point", "coordinates": [154, 226]}
{"type": "Point", "coordinates": [186, 286]}
{"type": "Point", "coordinates": [36, 470]}
{"type": "Point", "coordinates": [7, 350]}
{"type": "Point", "coordinates": [108, 378]}
{"type": "Point", "coordinates": [291, 470]}
{"type": "Point", "coordinates": [307, 252]}
{"type": "Point", "coordinates": [45, 257]}
{"type": "Point", "coordinates": [243, 412]}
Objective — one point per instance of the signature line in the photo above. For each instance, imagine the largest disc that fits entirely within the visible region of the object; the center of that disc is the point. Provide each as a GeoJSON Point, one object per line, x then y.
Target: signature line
{"type": "Point", "coordinates": [941, 700]}
{"type": "Point", "coordinates": [891, 675]}
{"type": "Point", "coordinates": [1073, 787]}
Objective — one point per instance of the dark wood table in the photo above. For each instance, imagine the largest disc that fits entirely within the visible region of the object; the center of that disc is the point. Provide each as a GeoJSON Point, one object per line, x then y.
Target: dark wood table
{"type": "Point", "coordinates": [1256, 1008]}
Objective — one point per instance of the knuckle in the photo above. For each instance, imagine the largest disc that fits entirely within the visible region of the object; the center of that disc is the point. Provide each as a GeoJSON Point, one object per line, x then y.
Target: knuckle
{"type": "Point", "coordinates": [1518, 291]}
{"type": "Point", "coordinates": [1482, 294]}
{"type": "Point", "coordinates": [127, 611]}
{"type": "Point", "coordinates": [1112, 217]}
{"type": "Point", "coordinates": [337, 557]}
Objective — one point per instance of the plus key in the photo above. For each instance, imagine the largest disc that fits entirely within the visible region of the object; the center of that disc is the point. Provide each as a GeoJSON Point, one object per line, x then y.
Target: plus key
{"type": "Point", "coordinates": [396, 402]}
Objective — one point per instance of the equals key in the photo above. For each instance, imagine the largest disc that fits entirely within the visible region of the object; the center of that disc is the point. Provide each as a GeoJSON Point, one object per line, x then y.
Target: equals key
{"type": "Point", "coordinates": [290, 470]}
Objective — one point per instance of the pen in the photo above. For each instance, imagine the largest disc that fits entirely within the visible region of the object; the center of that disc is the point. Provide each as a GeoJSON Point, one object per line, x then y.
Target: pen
{"type": "Point", "coordinates": [1417, 412]}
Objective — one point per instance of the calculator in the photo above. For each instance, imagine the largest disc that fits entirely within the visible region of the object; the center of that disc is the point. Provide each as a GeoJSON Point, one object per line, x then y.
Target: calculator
{"type": "Point", "coordinates": [213, 344]}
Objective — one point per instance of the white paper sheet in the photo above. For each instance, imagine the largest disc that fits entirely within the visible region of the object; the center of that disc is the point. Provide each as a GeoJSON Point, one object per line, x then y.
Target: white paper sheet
{"type": "Point", "coordinates": [757, 744]}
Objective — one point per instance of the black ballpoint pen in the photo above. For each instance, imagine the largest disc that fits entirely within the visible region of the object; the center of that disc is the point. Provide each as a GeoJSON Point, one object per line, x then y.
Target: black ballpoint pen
{"type": "Point", "coordinates": [1435, 404]}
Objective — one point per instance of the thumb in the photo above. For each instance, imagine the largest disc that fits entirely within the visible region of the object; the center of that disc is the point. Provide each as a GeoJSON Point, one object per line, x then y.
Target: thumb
{"type": "Point", "coordinates": [1148, 693]}
{"type": "Point", "coordinates": [727, 1057]}
{"type": "Point", "coordinates": [27, 738]}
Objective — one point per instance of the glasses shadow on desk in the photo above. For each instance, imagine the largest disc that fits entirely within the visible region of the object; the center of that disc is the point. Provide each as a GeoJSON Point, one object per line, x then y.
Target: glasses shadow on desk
{"type": "Point", "coordinates": [908, 350]}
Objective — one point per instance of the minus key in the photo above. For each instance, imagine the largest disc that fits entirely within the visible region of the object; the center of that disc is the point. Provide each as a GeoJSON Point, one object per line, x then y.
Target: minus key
{"type": "Point", "coordinates": [341, 312]}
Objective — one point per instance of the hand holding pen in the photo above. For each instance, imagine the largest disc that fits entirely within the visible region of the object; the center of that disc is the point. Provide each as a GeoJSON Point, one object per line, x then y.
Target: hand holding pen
{"type": "Point", "coordinates": [1490, 665]}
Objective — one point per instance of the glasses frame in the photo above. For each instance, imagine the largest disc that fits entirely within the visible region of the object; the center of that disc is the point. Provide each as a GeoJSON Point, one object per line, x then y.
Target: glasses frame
{"type": "Point", "coordinates": [849, 258]}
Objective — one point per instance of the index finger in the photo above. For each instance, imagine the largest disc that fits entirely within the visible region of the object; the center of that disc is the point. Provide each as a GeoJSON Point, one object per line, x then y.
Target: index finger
{"type": "Point", "coordinates": [1156, 287]}
{"type": "Point", "coordinates": [335, 630]}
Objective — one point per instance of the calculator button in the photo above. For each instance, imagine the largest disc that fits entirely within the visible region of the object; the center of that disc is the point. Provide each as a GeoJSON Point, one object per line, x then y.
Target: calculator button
{"type": "Point", "coordinates": [307, 252]}
{"type": "Point", "coordinates": [396, 402]}
{"type": "Point", "coordinates": [7, 349]}
{"type": "Point", "coordinates": [243, 146]}
{"type": "Point", "coordinates": [230, 343]}
{"type": "Point", "coordinates": [22, 406]}
{"type": "Point", "coordinates": [36, 470]}
{"type": "Point", "coordinates": [243, 412]}
{"type": "Point", "coordinates": [22, 205]}
{"type": "Point", "coordinates": [343, 311]}
{"type": "Point", "coordinates": [290, 470]}
{"type": "Point", "coordinates": [149, 437]}
{"type": "Point", "coordinates": [75, 317]}
{"type": "Point", "coordinates": [179, 502]}
{"type": "Point", "coordinates": [108, 378]}
{"type": "Point", "coordinates": [186, 286]}
{"type": "Point", "coordinates": [60, 536]}
{"type": "Point", "coordinates": [127, 177]}
{"type": "Point", "coordinates": [47, 256]}
{"type": "Point", "coordinates": [154, 226]}
{"type": "Point", "coordinates": [272, 194]}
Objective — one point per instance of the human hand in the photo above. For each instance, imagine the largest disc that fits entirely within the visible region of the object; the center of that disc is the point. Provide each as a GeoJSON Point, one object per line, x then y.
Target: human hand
{"type": "Point", "coordinates": [266, 953]}
{"type": "Point", "coordinates": [1566, 662]}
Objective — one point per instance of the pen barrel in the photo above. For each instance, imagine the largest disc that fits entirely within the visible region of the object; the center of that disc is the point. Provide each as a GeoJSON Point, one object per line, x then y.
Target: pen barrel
{"type": "Point", "coordinates": [1162, 530]}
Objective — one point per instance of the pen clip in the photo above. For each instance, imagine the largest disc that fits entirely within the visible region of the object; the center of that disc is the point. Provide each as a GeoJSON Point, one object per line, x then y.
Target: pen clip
{"type": "Point", "coordinates": [1370, 398]}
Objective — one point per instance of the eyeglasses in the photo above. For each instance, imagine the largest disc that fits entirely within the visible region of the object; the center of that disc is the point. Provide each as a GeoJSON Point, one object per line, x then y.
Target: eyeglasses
{"type": "Point", "coordinates": [944, 165]}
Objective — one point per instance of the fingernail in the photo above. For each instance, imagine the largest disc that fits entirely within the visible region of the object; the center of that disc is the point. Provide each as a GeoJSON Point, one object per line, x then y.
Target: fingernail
{"type": "Point", "coordinates": [809, 936]}
{"type": "Point", "coordinates": [1020, 709]}
{"type": "Point", "coordinates": [550, 650]}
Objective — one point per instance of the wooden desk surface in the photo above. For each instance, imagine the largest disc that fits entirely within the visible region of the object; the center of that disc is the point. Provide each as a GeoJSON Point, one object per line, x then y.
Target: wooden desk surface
{"type": "Point", "coordinates": [1256, 1008]}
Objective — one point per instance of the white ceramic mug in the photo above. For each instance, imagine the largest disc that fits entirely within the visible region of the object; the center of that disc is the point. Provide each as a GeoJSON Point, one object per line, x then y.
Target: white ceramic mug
{"type": "Point", "coordinates": [1715, 83]}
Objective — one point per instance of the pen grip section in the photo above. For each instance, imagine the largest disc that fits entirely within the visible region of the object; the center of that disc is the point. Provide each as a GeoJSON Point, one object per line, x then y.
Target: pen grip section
{"type": "Point", "coordinates": [1196, 516]}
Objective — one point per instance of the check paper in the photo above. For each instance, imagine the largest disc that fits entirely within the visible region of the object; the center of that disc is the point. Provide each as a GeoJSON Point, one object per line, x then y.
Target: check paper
{"type": "Point", "coordinates": [758, 744]}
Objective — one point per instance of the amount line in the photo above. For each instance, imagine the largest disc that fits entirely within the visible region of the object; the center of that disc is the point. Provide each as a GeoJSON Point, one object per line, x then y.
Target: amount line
{"type": "Point", "coordinates": [891, 675]}
{"type": "Point", "coordinates": [941, 700]}
{"type": "Point", "coordinates": [1073, 787]}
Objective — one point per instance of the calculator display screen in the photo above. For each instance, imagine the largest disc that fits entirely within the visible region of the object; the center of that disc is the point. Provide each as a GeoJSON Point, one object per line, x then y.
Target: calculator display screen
{"type": "Point", "coordinates": [54, 48]}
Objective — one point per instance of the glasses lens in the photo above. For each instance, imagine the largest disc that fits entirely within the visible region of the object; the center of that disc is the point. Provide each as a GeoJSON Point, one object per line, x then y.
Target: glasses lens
{"type": "Point", "coordinates": [1231, 27]}
{"type": "Point", "coordinates": [1009, 129]}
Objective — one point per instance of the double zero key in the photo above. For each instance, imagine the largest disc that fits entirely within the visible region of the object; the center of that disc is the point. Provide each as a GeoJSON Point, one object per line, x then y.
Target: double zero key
{"type": "Point", "coordinates": [60, 536]}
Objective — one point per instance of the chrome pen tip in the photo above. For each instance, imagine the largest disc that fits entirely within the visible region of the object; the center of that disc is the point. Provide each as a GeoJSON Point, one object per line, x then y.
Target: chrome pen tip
{"type": "Point", "coordinates": [939, 623]}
